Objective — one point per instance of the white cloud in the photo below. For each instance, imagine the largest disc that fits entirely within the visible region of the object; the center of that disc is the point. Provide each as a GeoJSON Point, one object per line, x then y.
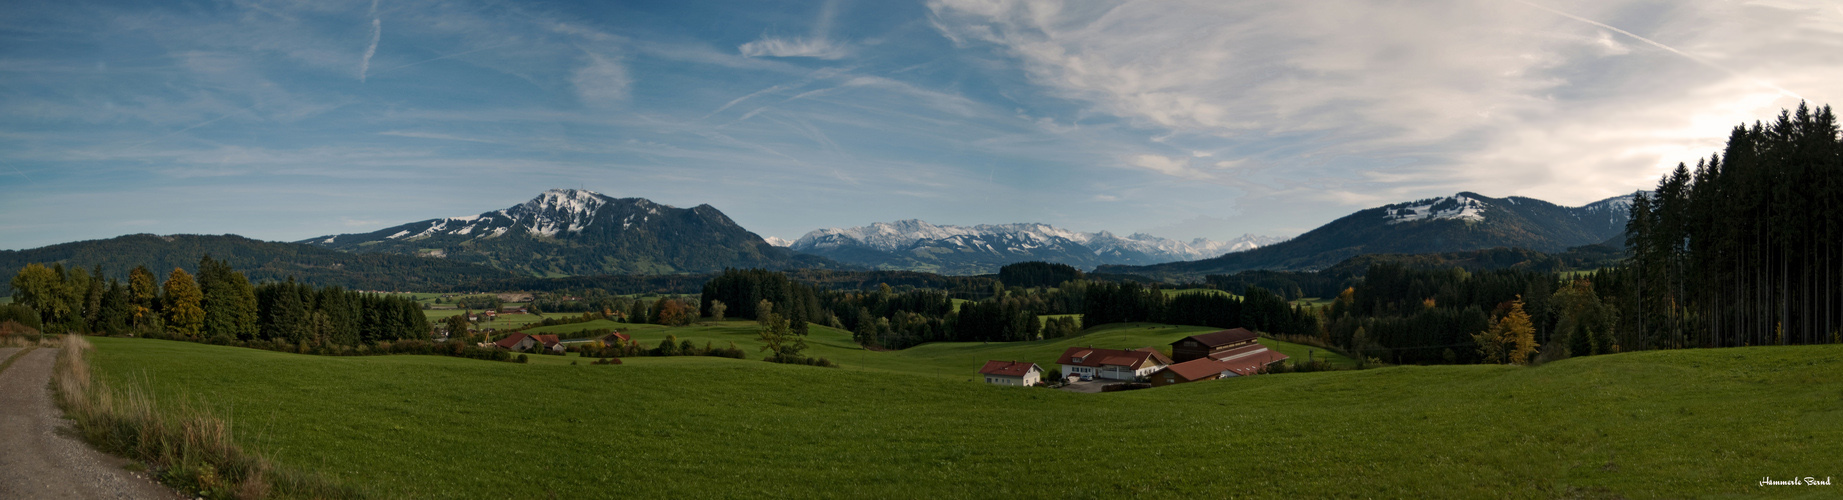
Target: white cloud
{"type": "Point", "coordinates": [819, 48]}
{"type": "Point", "coordinates": [1168, 165]}
{"type": "Point", "coordinates": [1508, 97]}
{"type": "Point", "coordinates": [601, 80]}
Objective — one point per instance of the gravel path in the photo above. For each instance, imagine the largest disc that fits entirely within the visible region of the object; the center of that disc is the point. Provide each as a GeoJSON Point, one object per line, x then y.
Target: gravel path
{"type": "Point", "coordinates": [39, 455]}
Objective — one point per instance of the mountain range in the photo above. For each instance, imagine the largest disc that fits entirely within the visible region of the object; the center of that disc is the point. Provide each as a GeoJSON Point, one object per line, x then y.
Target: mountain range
{"type": "Point", "coordinates": [565, 232]}
{"type": "Point", "coordinates": [982, 249]}
{"type": "Point", "coordinates": [1462, 222]}
{"type": "Point", "coordinates": [569, 232]}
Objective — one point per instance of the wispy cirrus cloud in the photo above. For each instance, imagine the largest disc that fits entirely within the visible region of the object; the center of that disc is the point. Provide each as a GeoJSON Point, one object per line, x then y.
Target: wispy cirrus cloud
{"type": "Point", "coordinates": [817, 48]}
{"type": "Point", "coordinates": [817, 45]}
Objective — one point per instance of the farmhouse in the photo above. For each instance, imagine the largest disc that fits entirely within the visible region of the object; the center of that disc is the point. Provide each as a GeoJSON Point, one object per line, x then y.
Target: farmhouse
{"type": "Point", "coordinates": [550, 342]}
{"type": "Point", "coordinates": [616, 338]}
{"type": "Point", "coordinates": [518, 341]}
{"type": "Point", "coordinates": [1207, 344]}
{"type": "Point", "coordinates": [1113, 364]}
{"type": "Point", "coordinates": [1012, 373]}
{"type": "Point", "coordinates": [1240, 361]}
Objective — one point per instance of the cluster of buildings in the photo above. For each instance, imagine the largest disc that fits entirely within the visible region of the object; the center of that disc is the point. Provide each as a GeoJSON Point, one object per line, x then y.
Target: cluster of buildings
{"type": "Point", "coordinates": [521, 341]}
{"type": "Point", "coordinates": [1208, 356]}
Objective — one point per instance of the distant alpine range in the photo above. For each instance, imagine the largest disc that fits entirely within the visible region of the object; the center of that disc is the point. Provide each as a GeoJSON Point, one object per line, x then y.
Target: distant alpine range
{"type": "Point", "coordinates": [920, 246]}
{"type": "Point", "coordinates": [571, 232]}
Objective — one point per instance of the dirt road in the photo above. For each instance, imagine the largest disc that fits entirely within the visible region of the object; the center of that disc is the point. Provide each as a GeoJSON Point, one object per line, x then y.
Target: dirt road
{"type": "Point", "coordinates": [39, 455]}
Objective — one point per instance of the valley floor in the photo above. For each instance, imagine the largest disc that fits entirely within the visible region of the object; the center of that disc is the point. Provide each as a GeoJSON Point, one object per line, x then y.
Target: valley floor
{"type": "Point", "coordinates": [913, 423]}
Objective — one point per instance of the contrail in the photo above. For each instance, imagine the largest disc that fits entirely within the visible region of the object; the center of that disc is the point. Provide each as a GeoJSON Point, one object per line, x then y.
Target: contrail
{"type": "Point", "coordinates": [1668, 48]}
{"type": "Point", "coordinates": [183, 130]}
{"type": "Point", "coordinates": [377, 31]}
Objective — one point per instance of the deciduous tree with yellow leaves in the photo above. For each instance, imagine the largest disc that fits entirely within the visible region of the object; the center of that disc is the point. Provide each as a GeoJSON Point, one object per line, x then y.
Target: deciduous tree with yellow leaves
{"type": "Point", "coordinates": [1511, 338]}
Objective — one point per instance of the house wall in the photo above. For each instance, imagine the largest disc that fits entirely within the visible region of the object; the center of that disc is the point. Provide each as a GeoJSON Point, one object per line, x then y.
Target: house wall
{"type": "Point", "coordinates": [1188, 350]}
{"type": "Point", "coordinates": [1004, 380]}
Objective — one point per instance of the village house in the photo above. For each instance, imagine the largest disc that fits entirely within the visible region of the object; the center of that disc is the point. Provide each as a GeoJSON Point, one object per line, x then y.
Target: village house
{"type": "Point", "coordinates": [517, 342]}
{"type": "Point", "coordinates": [521, 341]}
{"type": "Point", "coordinates": [1248, 359]}
{"type": "Point", "coordinates": [616, 338]}
{"type": "Point", "coordinates": [1090, 363]}
{"type": "Point", "coordinates": [1204, 345]}
{"type": "Point", "coordinates": [550, 342]}
{"type": "Point", "coordinates": [1016, 373]}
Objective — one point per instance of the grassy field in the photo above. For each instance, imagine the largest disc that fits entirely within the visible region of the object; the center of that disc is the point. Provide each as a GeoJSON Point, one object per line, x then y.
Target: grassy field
{"type": "Point", "coordinates": [1692, 423]}
{"type": "Point", "coordinates": [954, 360]}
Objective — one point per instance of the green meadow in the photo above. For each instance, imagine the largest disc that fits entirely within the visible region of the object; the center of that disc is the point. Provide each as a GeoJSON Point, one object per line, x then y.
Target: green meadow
{"type": "Point", "coordinates": [939, 359]}
{"type": "Point", "coordinates": [912, 423]}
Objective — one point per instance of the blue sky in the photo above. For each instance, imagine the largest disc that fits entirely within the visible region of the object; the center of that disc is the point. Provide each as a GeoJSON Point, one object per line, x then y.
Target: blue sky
{"type": "Point", "coordinates": [287, 120]}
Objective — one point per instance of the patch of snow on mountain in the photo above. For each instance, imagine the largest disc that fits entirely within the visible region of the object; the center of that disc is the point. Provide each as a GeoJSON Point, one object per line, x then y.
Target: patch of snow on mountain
{"type": "Point", "coordinates": [777, 241]}
{"type": "Point", "coordinates": [558, 210]}
{"type": "Point", "coordinates": [399, 234]}
{"type": "Point", "coordinates": [1449, 207]}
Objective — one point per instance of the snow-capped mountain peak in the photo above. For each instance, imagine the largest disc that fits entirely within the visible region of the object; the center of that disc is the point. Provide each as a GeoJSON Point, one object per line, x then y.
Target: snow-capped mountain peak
{"type": "Point", "coordinates": [1460, 206]}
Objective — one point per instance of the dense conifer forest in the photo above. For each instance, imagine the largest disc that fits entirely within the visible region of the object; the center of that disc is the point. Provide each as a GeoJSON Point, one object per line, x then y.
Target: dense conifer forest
{"type": "Point", "coordinates": [1746, 248]}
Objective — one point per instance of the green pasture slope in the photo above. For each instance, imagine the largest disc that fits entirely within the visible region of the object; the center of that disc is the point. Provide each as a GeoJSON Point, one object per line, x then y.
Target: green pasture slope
{"type": "Point", "coordinates": [1690, 423]}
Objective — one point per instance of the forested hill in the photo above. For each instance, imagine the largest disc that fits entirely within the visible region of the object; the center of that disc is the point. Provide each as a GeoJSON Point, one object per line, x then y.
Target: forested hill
{"type": "Point", "coordinates": [1458, 223]}
{"type": "Point", "coordinates": [570, 232]}
{"type": "Point", "coordinates": [259, 260]}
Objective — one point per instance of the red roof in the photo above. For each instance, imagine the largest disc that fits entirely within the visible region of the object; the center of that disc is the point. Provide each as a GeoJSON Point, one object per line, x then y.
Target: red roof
{"type": "Point", "coordinates": [547, 340]}
{"type": "Point", "coordinates": [1008, 368]}
{"type": "Point", "coordinates": [1252, 362]}
{"type": "Point", "coordinates": [1239, 352]}
{"type": "Point", "coordinates": [511, 340]}
{"type": "Point", "coordinates": [1096, 357]}
{"type": "Point", "coordinates": [618, 336]}
{"type": "Point", "coordinates": [1241, 360]}
{"type": "Point", "coordinates": [1221, 338]}
{"type": "Point", "coordinates": [1197, 369]}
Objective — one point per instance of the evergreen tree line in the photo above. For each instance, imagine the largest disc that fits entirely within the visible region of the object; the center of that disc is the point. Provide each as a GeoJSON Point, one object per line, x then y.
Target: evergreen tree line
{"type": "Point", "coordinates": [741, 291]}
{"type": "Point", "coordinates": [1037, 274]}
{"type": "Point", "coordinates": [302, 314]}
{"type": "Point", "coordinates": [1259, 309]}
{"type": "Point", "coordinates": [1403, 314]}
{"type": "Point", "coordinates": [1743, 249]}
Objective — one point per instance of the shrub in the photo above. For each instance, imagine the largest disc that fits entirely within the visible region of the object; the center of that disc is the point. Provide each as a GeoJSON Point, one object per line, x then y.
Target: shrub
{"type": "Point", "coordinates": [22, 314]}
{"type": "Point", "coordinates": [523, 359]}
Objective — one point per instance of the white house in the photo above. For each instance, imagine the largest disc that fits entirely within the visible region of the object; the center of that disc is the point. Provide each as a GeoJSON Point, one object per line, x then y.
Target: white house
{"type": "Point", "coordinates": [1012, 373]}
{"type": "Point", "coordinates": [1112, 364]}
